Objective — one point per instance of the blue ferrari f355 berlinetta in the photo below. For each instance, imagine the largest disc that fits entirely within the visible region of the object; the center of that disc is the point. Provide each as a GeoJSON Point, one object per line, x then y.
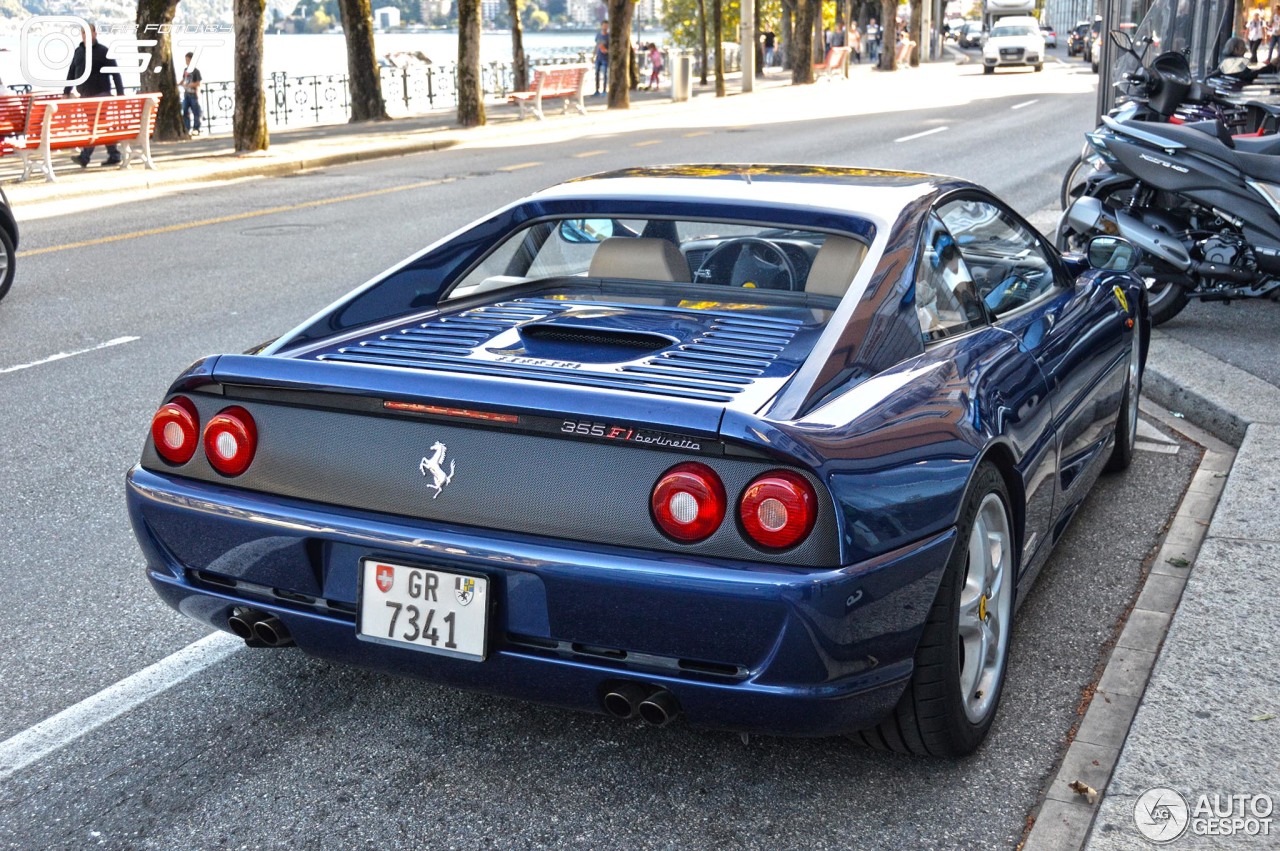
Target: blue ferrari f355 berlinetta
{"type": "Point", "coordinates": [768, 448]}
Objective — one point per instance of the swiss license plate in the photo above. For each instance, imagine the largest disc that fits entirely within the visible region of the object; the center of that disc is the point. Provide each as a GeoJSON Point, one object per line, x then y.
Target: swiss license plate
{"type": "Point", "coordinates": [426, 609]}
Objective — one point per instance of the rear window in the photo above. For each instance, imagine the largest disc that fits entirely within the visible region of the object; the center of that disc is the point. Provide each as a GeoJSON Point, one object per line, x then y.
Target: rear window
{"type": "Point", "coordinates": [1005, 32]}
{"type": "Point", "coordinates": [681, 254]}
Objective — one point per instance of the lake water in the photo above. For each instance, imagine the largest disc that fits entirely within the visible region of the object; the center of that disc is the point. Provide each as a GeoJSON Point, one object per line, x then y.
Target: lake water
{"type": "Point", "coordinates": [327, 54]}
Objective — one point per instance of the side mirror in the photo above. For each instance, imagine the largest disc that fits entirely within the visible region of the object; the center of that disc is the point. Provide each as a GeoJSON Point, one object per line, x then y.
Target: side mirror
{"type": "Point", "coordinates": [1112, 254]}
{"type": "Point", "coordinates": [582, 231]}
{"type": "Point", "coordinates": [1122, 40]}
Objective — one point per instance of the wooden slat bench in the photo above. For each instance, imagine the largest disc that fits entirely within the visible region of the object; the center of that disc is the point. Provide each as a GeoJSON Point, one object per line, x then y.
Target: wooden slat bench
{"type": "Point", "coordinates": [834, 64]}
{"type": "Point", "coordinates": [14, 112]}
{"type": "Point", "coordinates": [550, 82]}
{"type": "Point", "coordinates": [72, 123]}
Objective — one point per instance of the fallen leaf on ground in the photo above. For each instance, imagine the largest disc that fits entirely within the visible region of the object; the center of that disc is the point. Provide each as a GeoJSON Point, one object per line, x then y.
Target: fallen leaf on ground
{"type": "Point", "coordinates": [1177, 561]}
{"type": "Point", "coordinates": [1266, 716]}
{"type": "Point", "coordinates": [1090, 794]}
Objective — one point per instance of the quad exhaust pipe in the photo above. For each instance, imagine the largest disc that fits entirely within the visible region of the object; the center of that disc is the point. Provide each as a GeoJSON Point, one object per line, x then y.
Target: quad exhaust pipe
{"type": "Point", "coordinates": [259, 629]}
{"type": "Point", "coordinates": [655, 706]}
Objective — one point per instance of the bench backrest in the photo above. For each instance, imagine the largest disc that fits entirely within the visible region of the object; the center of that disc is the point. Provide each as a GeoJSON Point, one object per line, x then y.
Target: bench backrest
{"type": "Point", "coordinates": [91, 120]}
{"type": "Point", "coordinates": [558, 78]}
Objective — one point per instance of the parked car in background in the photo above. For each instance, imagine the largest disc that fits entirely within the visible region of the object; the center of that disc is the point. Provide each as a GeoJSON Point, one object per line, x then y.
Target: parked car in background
{"type": "Point", "coordinates": [1050, 36]}
{"type": "Point", "coordinates": [1095, 54]}
{"type": "Point", "coordinates": [1092, 36]}
{"type": "Point", "coordinates": [1076, 38]}
{"type": "Point", "coordinates": [774, 449]}
{"type": "Point", "coordinates": [971, 35]}
{"type": "Point", "coordinates": [1013, 41]}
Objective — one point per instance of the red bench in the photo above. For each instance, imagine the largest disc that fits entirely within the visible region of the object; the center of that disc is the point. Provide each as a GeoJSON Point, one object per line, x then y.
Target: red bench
{"type": "Point", "coordinates": [70, 123]}
{"type": "Point", "coordinates": [556, 81]}
{"type": "Point", "coordinates": [14, 112]}
{"type": "Point", "coordinates": [837, 58]}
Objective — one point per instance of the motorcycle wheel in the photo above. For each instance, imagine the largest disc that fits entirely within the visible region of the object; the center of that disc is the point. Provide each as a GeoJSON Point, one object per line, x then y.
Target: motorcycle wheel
{"type": "Point", "coordinates": [1165, 298]}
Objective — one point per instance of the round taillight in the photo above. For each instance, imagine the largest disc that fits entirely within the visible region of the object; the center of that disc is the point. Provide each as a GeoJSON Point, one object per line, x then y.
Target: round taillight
{"type": "Point", "coordinates": [230, 439]}
{"type": "Point", "coordinates": [175, 430]}
{"type": "Point", "coordinates": [688, 502]}
{"type": "Point", "coordinates": [778, 509]}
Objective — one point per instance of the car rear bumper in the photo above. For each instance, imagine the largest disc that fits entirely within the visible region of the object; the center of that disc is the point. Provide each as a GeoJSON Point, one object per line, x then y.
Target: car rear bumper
{"type": "Point", "coordinates": [740, 645]}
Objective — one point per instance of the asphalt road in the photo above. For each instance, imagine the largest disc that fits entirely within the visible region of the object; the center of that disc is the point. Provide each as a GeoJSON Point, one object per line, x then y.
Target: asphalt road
{"type": "Point", "coordinates": [269, 748]}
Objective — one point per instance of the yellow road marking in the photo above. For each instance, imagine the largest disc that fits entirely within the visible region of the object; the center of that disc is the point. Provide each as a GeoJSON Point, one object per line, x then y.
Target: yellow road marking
{"type": "Point", "coordinates": [646, 143]}
{"type": "Point", "coordinates": [235, 217]}
{"type": "Point", "coordinates": [584, 154]}
{"type": "Point", "coordinates": [697, 133]}
{"type": "Point", "coordinates": [519, 166]}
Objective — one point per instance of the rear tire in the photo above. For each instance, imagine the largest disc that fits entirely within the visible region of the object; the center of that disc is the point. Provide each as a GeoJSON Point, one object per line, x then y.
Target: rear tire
{"type": "Point", "coordinates": [1072, 183]}
{"type": "Point", "coordinates": [960, 662]}
{"type": "Point", "coordinates": [988, 69]}
{"type": "Point", "coordinates": [1040, 67]}
{"type": "Point", "coordinates": [10, 262]}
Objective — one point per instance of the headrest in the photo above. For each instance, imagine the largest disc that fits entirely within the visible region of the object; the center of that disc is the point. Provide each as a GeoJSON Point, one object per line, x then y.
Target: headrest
{"type": "Point", "coordinates": [835, 265]}
{"type": "Point", "coordinates": [639, 258]}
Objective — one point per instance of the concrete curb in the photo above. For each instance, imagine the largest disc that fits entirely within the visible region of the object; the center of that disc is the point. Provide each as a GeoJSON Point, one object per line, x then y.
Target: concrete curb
{"type": "Point", "coordinates": [1072, 799]}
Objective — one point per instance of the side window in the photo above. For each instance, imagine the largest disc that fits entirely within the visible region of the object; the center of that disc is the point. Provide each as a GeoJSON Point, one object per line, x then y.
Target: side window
{"type": "Point", "coordinates": [1008, 263]}
{"type": "Point", "coordinates": [946, 299]}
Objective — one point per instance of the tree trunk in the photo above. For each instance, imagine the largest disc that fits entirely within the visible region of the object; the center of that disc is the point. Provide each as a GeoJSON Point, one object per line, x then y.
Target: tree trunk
{"type": "Point", "coordinates": [620, 12]}
{"type": "Point", "coordinates": [787, 33]}
{"type": "Point", "coordinates": [249, 124]}
{"type": "Point", "coordinates": [363, 79]}
{"type": "Point", "coordinates": [915, 34]}
{"type": "Point", "coordinates": [702, 39]}
{"type": "Point", "coordinates": [888, 34]}
{"type": "Point", "coordinates": [519, 68]}
{"type": "Point", "coordinates": [802, 43]}
{"type": "Point", "coordinates": [819, 53]}
{"type": "Point", "coordinates": [757, 43]}
{"type": "Point", "coordinates": [719, 37]}
{"type": "Point", "coordinates": [158, 76]}
{"type": "Point", "coordinates": [470, 92]}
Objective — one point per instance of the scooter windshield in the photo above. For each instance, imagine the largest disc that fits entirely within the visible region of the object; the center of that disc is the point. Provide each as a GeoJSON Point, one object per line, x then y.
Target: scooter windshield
{"type": "Point", "coordinates": [1194, 29]}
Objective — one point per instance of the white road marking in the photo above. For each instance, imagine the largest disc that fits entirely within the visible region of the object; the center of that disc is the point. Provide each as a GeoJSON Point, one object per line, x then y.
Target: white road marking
{"type": "Point", "coordinates": [1024, 103]}
{"type": "Point", "coordinates": [921, 134]}
{"type": "Point", "coordinates": [58, 731]}
{"type": "Point", "coordinates": [118, 341]}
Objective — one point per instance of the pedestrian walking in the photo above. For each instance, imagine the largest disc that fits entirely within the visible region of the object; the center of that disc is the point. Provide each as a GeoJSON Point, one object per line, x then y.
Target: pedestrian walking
{"type": "Point", "coordinates": [1273, 30]}
{"type": "Point", "coordinates": [855, 43]}
{"type": "Point", "coordinates": [1254, 31]}
{"type": "Point", "coordinates": [602, 58]}
{"type": "Point", "coordinates": [92, 56]}
{"type": "Point", "coordinates": [873, 40]}
{"type": "Point", "coordinates": [770, 45]}
{"type": "Point", "coordinates": [191, 81]}
{"type": "Point", "coordinates": [655, 67]}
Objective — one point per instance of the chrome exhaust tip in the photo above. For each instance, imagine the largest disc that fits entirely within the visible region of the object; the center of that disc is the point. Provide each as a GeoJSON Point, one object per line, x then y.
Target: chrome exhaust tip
{"type": "Point", "coordinates": [272, 632]}
{"type": "Point", "coordinates": [659, 708]}
{"type": "Point", "coordinates": [623, 701]}
{"type": "Point", "coordinates": [242, 622]}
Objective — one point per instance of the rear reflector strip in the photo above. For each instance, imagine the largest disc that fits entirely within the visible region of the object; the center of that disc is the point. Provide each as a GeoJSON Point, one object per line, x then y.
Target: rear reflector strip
{"type": "Point", "coordinates": [463, 413]}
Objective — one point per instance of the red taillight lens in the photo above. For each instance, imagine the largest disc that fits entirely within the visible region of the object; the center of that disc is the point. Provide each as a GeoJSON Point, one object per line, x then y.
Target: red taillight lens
{"type": "Point", "coordinates": [230, 439]}
{"type": "Point", "coordinates": [688, 502]}
{"type": "Point", "coordinates": [778, 509]}
{"type": "Point", "coordinates": [175, 430]}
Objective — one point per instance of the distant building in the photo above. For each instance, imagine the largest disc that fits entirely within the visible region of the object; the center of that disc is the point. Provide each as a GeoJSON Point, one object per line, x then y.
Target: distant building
{"type": "Point", "coordinates": [649, 11]}
{"type": "Point", "coordinates": [586, 13]}
{"type": "Point", "coordinates": [386, 17]}
{"type": "Point", "coordinates": [429, 10]}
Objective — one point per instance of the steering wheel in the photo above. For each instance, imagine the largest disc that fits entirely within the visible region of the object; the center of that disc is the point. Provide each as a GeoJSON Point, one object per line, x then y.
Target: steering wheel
{"type": "Point", "coordinates": [1011, 290]}
{"type": "Point", "coordinates": [748, 261]}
